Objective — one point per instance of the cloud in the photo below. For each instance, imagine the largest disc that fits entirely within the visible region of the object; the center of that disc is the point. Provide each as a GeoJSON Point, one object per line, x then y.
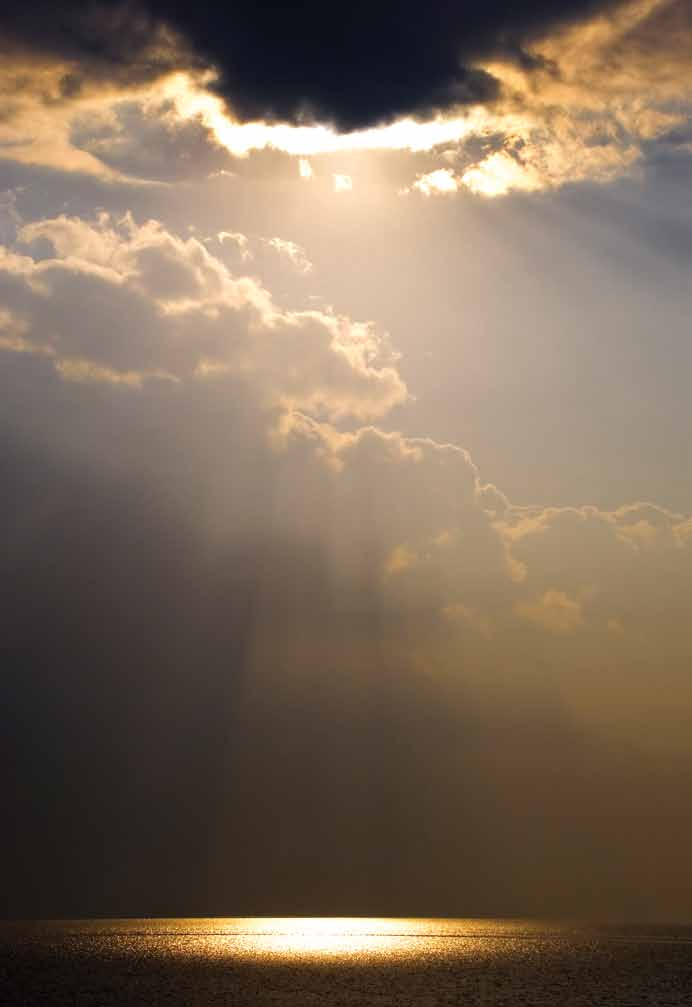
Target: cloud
{"type": "Point", "coordinates": [201, 480]}
{"type": "Point", "coordinates": [445, 539]}
{"type": "Point", "coordinates": [112, 298]}
{"type": "Point", "coordinates": [398, 62]}
{"type": "Point", "coordinates": [471, 733]}
{"type": "Point", "coordinates": [574, 93]}
{"type": "Point", "coordinates": [499, 600]}
{"type": "Point", "coordinates": [553, 611]}
{"type": "Point", "coordinates": [589, 98]}
{"type": "Point", "coordinates": [439, 181]}
{"type": "Point", "coordinates": [331, 575]}
{"type": "Point", "coordinates": [109, 302]}
{"type": "Point", "coordinates": [289, 250]}
{"type": "Point", "coordinates": [579, 101]}
{"type": "Point", "coordinates": [240, 241]}
{"type": "Point", "coordinates": [69, 75]}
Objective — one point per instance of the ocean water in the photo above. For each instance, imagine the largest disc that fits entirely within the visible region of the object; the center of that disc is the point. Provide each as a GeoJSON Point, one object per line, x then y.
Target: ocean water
{"type": "Point", "coordinates": [359, 961]}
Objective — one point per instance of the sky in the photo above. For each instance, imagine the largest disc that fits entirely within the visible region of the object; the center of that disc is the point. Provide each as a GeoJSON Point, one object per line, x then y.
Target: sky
{"type": "Point", "coordinates": [344, 437]}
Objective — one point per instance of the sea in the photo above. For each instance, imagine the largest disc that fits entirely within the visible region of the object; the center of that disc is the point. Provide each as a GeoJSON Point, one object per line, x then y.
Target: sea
{"type": "Point", "coordinates": [307, 962]}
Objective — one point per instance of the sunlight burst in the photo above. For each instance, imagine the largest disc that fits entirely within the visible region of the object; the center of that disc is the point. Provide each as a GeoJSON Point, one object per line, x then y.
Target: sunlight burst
{"type": "Point", "coordinates": [191, 100]}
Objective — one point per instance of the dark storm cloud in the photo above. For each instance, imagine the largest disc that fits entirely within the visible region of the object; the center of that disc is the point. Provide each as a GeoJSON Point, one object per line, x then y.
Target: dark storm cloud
{"type": "Point", "coordinates": [354, 65]}
{"type": "Point", "coordinates": [112, 42]}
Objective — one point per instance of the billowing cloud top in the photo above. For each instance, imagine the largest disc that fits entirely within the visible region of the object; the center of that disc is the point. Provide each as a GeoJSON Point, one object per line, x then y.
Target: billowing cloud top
{"type": "Point", "coordinates": [167, 309]}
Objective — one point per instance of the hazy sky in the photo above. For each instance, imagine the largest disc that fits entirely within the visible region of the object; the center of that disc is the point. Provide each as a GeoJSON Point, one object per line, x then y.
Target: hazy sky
{"type": "Point", "coordinates": [345, 446]}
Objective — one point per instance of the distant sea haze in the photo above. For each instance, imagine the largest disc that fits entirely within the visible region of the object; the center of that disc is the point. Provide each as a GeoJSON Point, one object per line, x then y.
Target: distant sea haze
{"type": "Point", "coordinates": [343, 961]}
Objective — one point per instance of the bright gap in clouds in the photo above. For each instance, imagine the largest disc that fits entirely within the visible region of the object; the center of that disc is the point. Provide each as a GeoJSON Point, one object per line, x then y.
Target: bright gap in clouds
{"type": "Point", "coordinates": [494, 176]}
{"type": "Point", "coordinates": [191, 100]}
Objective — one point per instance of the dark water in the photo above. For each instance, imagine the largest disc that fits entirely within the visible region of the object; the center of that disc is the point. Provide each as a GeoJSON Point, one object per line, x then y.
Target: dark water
{"type": "Point", "coordinates": [304, 962]}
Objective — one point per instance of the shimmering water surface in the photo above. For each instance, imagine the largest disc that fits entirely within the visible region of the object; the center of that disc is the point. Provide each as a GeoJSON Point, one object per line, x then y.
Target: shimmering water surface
{"type": "Point", "coordinates": [355, 961]}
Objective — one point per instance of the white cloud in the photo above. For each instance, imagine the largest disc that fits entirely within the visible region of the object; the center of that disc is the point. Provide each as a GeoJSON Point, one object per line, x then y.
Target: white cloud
{"type": "Point", "coordinates": [292, 252]}
{"type": "Point", "coordinates": [116, 297]}
{"type": "Point", "coordinates": [439, 182]}
{"type": "Point", "coordinates": [239, 240]}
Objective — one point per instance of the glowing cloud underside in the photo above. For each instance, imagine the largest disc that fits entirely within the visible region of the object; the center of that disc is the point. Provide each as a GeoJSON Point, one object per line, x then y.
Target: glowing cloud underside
{"type": "Point", "coordinates": [191, 100]}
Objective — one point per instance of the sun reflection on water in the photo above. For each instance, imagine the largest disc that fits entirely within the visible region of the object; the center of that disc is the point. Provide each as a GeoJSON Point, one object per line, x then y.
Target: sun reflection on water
{"type": "Point", "coordinates": [291, 939]}
{"type": "Point", "coordinates": [325, 935]}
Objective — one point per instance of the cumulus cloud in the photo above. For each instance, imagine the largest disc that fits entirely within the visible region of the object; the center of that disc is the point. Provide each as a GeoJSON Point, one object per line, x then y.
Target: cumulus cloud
{"type": "Point", "coordinates": [450, 543]}
{"type": "Point", "coordinates": [348, 569]}
{"type": "Point", "coordinates": [114, 297]}
{"type": "Point", "coordinates": [112, 302]}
